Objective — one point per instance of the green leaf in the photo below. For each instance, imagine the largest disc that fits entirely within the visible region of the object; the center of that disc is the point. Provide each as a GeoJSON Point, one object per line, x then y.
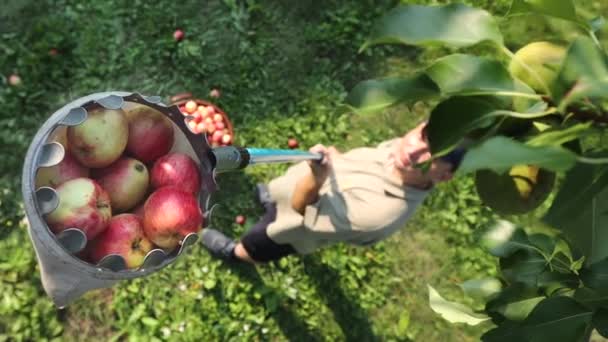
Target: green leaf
{"type": "Point", "coordinates": [149, 321]}
{"type": "Point", "coordinates": [591, 298]}
{"type": "Point", "coordinates": [600, 322]}
{"type": "Point", "coordinates": [483, 289]}
{"type": "Point", "coordinates": [209, 283]}
{"type": "Point", "coordinates": [580, 209]}
{"type": "Point", "coordinates": [404, 323]}
{"type": "Point", "coordinates": [563, 9]}
{"type": "Point", "coordinates": [584, 73]}
{"type": "Point", "coordinates": [595, 275]}
{"type": "Point", "coordinates": [453, 312]}
{"type": "Point", "coordinates": [543, 242]}
{"type": "Point", "coordinates": [558, 137]}
{"type": "Point", "coordinates": [523, 266]}
{"type": "Point", "coordinates": [453, 118]}
{"type": "Point", "coordinates": [503, 239]}
{"type": "Point", "coordinates": [506, 332]}
{"type": "Point", "coordinates": [519, 310]}
{"type": "Point", "coordinates": [455, 25]}
{"type": "Point", "coordinates": [553, 281]}
{"type": "Point", "coordinates": [467, 74]}
{"type": "Point", "coordinates": [374, 95]}
{"type": "Point", "coordinates": [597, 23]}
{"type": "Point", "coordinates": [501, 153]}
{"type": "Point", "coordinates": [557, 319]}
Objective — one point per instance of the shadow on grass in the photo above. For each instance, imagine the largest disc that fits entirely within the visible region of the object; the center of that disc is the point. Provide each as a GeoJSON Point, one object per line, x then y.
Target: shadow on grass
{"type": "Point", "coordinates": [292, 326]}
{"type": "Point", "coordinates": [351, 317]}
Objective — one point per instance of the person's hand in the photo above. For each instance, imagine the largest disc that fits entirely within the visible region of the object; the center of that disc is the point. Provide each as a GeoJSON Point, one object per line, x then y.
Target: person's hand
{"type": "Point", "coordinates": [321, 168]}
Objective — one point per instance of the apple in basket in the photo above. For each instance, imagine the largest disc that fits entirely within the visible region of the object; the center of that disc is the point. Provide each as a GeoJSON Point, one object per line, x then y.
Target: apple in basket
{"type": "Point", "coordinates": [83, 204]}
{"type": "Point", "coordinates": [123, 236]}
{"type": "Point", "coordinates": [126, 182]}
{"type": "Point", "coordinates": [67, 169]}
{"type": "Point", "coordinates": [150, 134]}
{"type": "Point", "coordinates": [176, 169]}
{"type": "Point", "coordinates": [169, 215]}
{"type": "Point", "coordinates": [101, 139]}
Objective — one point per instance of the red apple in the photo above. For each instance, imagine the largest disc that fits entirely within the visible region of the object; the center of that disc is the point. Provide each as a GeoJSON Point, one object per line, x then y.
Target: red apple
{"type": "Point", "coordinates": [55, 175]}
{"type": "Point", "coordinates": [83, 204]}
{"type": "Point", "coordinates": [240, 219]}
{"type": "Point", "coordinates": [292, 143]}
{"type": "Point", "coordinates": [193, 126]}
{"type": "Point", "coordinates": [123, 236]}
{"type": "Point", "coordinates": [200, 128]}
{"type": "Point", "coordinates": [53, 52]}
{"type": "Point", "coordinates": [183, 110]}
{"type": "Point", "coordinates": [101, 138]}
{"type": "Point", "coordinates": [191, 107]}
{"type": "Point", "coordinates": [177, 170]}
{"type": "Point", "coordinates": [218, 117]}
{"type": "Point", "coordinates": [209, 125]}
{"type": "Point", "coordinates": [226, 139]}
{"type": "Point", "coordinates": [126, 182]}
{"type": "Point", "coordinates": [220, 126]}
{"type": "Point", "coordinates": [215, 93]}
{"type": "Point", "coordinates": [169, 215]}
{"type": "Point", "coordinates": [210, 111]}
{"type": "Point", "coordinates": [178, 35]}
{"type": "Point", "coordinates": [198, 117]}
{"type": "Point", "coordinates": [14, 80]}
{"type": "Point", "coordinates": [150, 133]}
{"type": "Point", "coordinates": [217, 136]}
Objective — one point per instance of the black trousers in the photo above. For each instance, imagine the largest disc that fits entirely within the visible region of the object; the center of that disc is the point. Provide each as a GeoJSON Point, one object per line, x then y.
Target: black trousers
{"type": "Point", "coordinates": [257, 243]}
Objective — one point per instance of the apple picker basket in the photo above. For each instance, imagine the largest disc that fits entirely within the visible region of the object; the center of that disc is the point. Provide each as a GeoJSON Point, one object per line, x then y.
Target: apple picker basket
{"type": "Point", "coordinates": [65, 277]}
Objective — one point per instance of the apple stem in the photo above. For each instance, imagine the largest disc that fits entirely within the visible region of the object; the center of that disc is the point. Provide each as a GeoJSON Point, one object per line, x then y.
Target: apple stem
{"type": "Point", "coordinates": [527, 67]}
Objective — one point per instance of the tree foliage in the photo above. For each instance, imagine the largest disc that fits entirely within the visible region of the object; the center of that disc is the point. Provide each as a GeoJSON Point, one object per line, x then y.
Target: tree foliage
{"type": "Point", "coordinates": [534, 113]}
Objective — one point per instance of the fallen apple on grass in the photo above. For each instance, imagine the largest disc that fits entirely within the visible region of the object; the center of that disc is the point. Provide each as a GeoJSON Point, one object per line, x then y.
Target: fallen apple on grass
{"type": "Point", "coordinates": [150, 133]}
{"type": "Point", "coordinates": [126, 182]}
{"type": "Point", "coordinates": [292, 143]}
{"type": "Point", "coordinates": [169, 215]}
{"type": "Point", "coordinates": [176, 169]}
{"type": "Point", "coordinates": [124, 236]}
{"type": "Point", "coordinates": [240, 220]}
{"type": "Point", "coordinates": [83, 204]}
{"type": "Point", "coordinates": [100, 139]}
{"type": "Point", "coordinates": [215, 93]}
{"type": "Point", "coordinates": [14, 80]}
{"type": "Point", "coordinates": [178, 35]}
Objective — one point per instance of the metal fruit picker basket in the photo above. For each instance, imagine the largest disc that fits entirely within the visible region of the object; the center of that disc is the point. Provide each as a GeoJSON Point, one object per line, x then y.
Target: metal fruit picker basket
{"type": "Point", "coordinates": [66, 276]}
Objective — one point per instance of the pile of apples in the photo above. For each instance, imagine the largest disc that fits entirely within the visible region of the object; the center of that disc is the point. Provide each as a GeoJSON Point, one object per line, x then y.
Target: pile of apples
{"type": "Point", "coordinates": [121, 186]}
{"type": "Point", "coordinates": [207, 120]}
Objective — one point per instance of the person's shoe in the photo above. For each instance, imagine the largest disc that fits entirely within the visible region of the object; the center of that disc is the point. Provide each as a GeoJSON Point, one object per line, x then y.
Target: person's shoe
{"type": "Point", "coordinates": [218, 244]}
{"type": "Point", "coordinates": [262, 194]}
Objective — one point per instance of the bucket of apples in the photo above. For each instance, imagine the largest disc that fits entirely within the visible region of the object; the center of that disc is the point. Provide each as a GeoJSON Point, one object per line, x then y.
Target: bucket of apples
{"type": "Point", "coordinates": [207, 118]}
{"type": "Point", "coordinates": [115, 186]}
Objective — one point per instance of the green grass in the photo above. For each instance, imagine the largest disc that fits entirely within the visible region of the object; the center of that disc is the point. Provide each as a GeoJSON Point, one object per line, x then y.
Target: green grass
{"type": "Point", "coordinates": [283, 68]}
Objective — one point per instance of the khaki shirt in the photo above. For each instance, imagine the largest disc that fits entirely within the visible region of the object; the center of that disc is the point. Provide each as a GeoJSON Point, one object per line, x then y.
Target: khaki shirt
{"type": "Point", "coordinates": [361, 203]}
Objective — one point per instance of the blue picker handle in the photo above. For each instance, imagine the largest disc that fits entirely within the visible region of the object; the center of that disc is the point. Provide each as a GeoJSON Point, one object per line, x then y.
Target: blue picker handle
{"type": "Point", "coordinates": [230, 158]}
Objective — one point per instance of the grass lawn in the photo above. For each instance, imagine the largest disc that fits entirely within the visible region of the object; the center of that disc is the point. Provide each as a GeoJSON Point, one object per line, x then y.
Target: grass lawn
{"type": "Point", "coordinates": [283, 68]}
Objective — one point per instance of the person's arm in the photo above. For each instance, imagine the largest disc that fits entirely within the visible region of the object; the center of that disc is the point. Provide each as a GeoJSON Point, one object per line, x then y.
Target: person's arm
{"type": "Point", "coordinates": [307, 188]}
{"type": "Point", "coordinates": [306, 192]}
